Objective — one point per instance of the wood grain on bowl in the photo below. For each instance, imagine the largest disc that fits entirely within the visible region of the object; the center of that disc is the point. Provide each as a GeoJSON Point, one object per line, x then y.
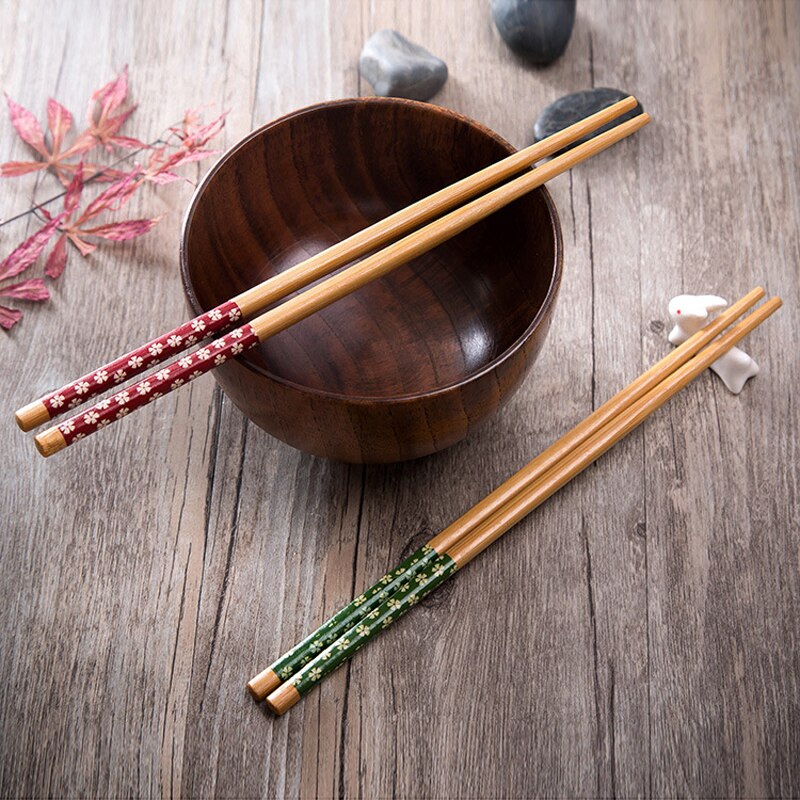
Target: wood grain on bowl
{"type": "Point", "coordinates": [411, 363]}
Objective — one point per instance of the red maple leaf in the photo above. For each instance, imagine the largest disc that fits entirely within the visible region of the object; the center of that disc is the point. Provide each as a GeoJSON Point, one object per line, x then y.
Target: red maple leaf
{"type": "Point", "coordinates": [32, 290]}
{"type": "Point", "coordinates": [192, 137]}
{"type": "Point", "coordinates": [105, 115]}
{"type": "Point", "coordinates": [59, 121]}
{"type": "Point", "coordinates": [75, 230]}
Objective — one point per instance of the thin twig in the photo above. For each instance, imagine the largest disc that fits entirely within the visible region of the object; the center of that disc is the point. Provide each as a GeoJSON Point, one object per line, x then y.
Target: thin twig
{"type": "Point", "coordinates": [33, 209]}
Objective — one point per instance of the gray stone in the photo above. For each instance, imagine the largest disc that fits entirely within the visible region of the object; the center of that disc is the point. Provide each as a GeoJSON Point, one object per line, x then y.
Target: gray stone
{"type": "Point", "coordinates": [573, 107]}
{"type": "Point", "coordinates": [537, 30]}
{"type": "Point", "coordinates": [396, 67]}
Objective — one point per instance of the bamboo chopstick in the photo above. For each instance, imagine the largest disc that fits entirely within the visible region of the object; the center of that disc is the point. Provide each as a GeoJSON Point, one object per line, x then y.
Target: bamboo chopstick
{"type": "Point", "coordinates": [321, 295]}
{"type": "Point", "coordinates": [264, 294]}
{"type": "Point", "coordinates": [467, 548]}
{"type": "Point", "coordinates": [288, 664]}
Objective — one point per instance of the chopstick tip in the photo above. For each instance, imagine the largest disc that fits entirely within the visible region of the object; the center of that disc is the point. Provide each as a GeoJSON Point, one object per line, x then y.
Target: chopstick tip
{"type": "Point", "coordinates": [50, 441]}
{"type": "Point", "coordinates": [32, 415]}
{"type": "Point", "coordinates": [282, 699]}
{"type": "Point", "coordinates": [263, 684]}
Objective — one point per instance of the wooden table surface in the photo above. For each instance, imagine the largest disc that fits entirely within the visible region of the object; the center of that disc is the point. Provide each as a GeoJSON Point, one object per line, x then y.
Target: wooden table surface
{"type": "Point", "coordinates": [639, 635]}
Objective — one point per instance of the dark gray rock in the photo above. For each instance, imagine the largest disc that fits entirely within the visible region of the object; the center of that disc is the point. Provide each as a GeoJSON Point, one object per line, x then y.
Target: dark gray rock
{"type": "Point", "coordinates": [397, 67]}
{"type": "Point", "coordinates": [537, 30]}
{"type": "Point", "coordinates": [573, 107]}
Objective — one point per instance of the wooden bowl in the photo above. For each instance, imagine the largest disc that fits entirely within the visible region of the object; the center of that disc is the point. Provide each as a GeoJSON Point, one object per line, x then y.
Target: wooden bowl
{"type": "Point", "coordinates": [411, 363]}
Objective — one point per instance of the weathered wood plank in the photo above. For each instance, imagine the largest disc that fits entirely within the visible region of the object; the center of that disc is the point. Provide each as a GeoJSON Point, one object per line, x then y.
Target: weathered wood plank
{"type": "Point", "coordinates": [102, 551]}
{"type": "Point", "coordinates": [285, 526]}
{"type": "Point", "coordinates": [720, 470]}
{"type": "Point", "coordinates": [638, 635]}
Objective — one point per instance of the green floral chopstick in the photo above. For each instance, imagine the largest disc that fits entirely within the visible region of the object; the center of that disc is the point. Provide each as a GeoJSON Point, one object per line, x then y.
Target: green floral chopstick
{"type": "Point", "coordinates": [345, 619]}
{"type": "Point", "coordinates": [435, 572]}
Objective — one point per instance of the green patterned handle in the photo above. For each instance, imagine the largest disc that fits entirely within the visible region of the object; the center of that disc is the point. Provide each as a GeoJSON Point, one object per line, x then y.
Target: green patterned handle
{"type": "Point", "coordinates": [379, 618]}
{"type": "Point", "coordinates": [289, 663]}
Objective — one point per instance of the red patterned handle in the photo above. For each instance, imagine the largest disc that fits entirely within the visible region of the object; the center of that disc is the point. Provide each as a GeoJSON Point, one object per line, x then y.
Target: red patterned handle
{"type": "Point", "coordinates": [140, 359]}
{"type": "Point", "coordinates": [167, 379]}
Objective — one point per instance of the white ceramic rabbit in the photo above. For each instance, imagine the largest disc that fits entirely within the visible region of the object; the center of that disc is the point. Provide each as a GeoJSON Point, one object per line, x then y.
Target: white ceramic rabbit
{"type": "Point", "coordinates": [689, 313]}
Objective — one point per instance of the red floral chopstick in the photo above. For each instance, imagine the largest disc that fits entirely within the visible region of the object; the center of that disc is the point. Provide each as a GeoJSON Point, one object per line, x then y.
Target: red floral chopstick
{"type": "Point", "coordinates": [128, 366]}
{"type": "Point", "coordinates": [167, 379]}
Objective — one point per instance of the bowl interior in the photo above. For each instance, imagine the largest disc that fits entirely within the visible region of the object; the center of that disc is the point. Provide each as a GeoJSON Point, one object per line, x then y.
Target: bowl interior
{"type": "Point", "coordinates": [309, 180]}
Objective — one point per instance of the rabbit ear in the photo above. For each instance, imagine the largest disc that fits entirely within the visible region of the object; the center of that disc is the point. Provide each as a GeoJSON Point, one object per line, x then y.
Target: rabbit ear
{"type": "Point", "coordinates": [711, 302]}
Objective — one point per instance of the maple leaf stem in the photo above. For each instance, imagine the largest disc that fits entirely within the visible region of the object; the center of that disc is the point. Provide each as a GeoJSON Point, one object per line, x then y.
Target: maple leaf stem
{"type": "Point", "coordinates": [35, 208]}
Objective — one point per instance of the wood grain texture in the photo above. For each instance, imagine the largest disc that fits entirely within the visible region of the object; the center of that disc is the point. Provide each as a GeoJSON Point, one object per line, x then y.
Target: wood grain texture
{"type": "Point", "coordinates": [407, 351]}
{"type": "Point", "coordinates": [637, 635]}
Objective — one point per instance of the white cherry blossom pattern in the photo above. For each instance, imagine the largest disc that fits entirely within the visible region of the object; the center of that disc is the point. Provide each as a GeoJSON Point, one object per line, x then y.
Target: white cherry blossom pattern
{"type": "Point", "coordinates": [170, 377]}
{"type": "Point", "coordinates": [138, 360]}
{"type": "Point", "coordinates": [436, 570]}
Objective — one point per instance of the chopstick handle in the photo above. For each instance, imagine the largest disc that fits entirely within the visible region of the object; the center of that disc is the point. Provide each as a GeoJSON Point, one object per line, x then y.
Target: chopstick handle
{"type": "Point", "coordinates": [343, 620]}
{"type": "Point", "coordinates": [344, 648]}
{"type": "Point", "coordinates": [128, 366]}
{"type": "Point", "coordinates": [139, 394]}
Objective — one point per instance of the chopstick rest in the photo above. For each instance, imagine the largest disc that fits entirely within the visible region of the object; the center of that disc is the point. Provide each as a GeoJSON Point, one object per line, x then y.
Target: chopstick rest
{"type": "Point", "coordinates": [688, 313]}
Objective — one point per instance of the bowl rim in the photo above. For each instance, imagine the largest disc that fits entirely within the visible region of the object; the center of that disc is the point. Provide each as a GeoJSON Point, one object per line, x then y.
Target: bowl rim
{"type": "Point", "coordinates": [490, 366]}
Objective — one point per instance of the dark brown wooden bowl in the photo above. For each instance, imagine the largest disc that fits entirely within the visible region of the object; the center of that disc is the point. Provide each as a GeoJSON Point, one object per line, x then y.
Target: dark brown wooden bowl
{"type": "Point", "coordinates": [409, 364]}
